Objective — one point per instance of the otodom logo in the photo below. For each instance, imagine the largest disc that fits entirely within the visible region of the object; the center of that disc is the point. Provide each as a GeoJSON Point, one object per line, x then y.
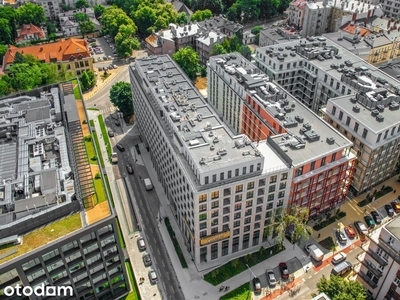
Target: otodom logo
{"type": "Point", "coordinates": [40, 290]}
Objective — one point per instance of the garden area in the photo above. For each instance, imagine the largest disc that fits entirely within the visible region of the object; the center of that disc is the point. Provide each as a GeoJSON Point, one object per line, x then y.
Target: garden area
{"type": "Point", "coordinates": [238, 265]}
{"type": "Point", "coordinates": [328, 243]}
{"type": "Point", "coordinates": [243, 292]}
{"type": "Point", "coordinates": [177, 247]}
{"type": "Point", "coordinates": [376, 195]}
{"type": "Point", "coordinates": [329, 220]}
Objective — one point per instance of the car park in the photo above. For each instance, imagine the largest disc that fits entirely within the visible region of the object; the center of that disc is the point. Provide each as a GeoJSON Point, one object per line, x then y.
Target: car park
{"type": "Point", "coordinates": [389, 210]}
{"type": "Point", "coordinates": [369, 221]}
{"type": "Point", "coordinates": [141, 244]}
{"type": "Point", "coordinates": [110, 133]}
{"type": "Point", "coordinates": [120, 147]}
{"type": "Point", "coordinates": [376, 216]}
{"type": "Point", "coordinates": [284, 270]}
{"type": "Point", "coordinates": [99, 59]}
{"type": "Point", "coordinates": [342, 268]}
{"type": "Point", "coordinates": [147, 259]}
{"type": "Point", "coordinates": [350, 232]}
{"type": "Point", "coordinates": [129, 169]}
{"type": "Point", "coordinates": [361, 227]}
{"type": "Point", "coordinates": [256, 285]}
{"type": "Point", "coordinates": [396, 206]}
{"type": "Point", "coordinates": [341, 237]}
{"type": "Point", "coordinates": [153, 277]}
{"type": "Point", "coordinates": [271, 278]}
{"type": "Point", "coordinates": [338, 258]}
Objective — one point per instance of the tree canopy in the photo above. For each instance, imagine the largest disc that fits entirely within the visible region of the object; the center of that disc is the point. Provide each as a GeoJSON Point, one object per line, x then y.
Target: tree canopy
{"type": "Point", "coordinates": [125, 42]}
{"type": "Point", "coordinates": [81, 3]}
{"type": "Point", "coordinates": [188, 59]}
{"type": "Point", "coordinates": [85, 24]}
{"type": "Point", "coordinates": [201, 15]}
{"type": "Point", "coordinates": [87, 80]}
{"type": "Point", "coordinates": [337, 288]}
{"type": "Point", "coordinates": [30, 13]}
{"type": "Point", "coordinates": [113, 18]}
{"type": "Point", "coordinates": [121, 96]}
{"type": "Point", "coordinates": [98, 10]}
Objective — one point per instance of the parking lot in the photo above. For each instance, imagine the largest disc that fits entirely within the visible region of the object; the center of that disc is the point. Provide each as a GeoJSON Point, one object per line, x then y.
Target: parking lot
{"type": "Point", "coordinates": [102, 50]}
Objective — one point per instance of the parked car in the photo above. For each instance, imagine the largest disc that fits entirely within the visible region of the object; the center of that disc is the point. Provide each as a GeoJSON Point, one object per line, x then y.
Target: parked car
{"type": "Point", "coordinates": [141, 244]}
{"type": "Point", "coordinates": [338, 258]}
{"type": "Point", "coordinates": [369, 221]}
{"type": "Point", "coordinates": [110, 133]}
{"type": "Point", "coordinates": [117, 123]}
{"type": "Point", "coordinates": [109, 57]}
{"type": "Point", "coordinates": [341, 237]}
{"type": "Point", "coordinates": [120, 147]}
{"type": "Point", "coordinates": [153, 276]}
{"type": "Point", "coordinates": [376, 216]}
{"type": "Point", "coordinates": [361, 227]}
{"type": "Point", "coordinates": [105, 57]}
{"type": "Point", "coordinates": [257, 285]}
{"type": "Point", "coordinates": [350, 232]}
{"type": "Point", "coordinates": [105, 68]}
{"type": "Point", "coordinates": [342, 268]}
{"type": "Point", "coordinates": [284, 270]}
{"type": "Point", "coordinates": [115, 66]}
{"type": "Point", "coordinates": [271, 278]}
{"type": "Point", "coordinates": [147, 259]}
{"type": "Point", "coordinates": [396, 206]}
{"type": "Point", "coordinates": [389, 209]}
{"type": "Point", "coordinates": [99, 59]}
{"type": "Point", "coordinates": [129, 169]}
{"type": "Point", "coordinates": [314, 252]}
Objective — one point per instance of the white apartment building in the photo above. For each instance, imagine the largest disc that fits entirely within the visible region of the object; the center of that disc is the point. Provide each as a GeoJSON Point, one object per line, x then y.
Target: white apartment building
{"type": "Point", "coordinates": [391, 8]}
{"type": "Point", "coordinates": [221, 187]}
{"type": "Point", "coordinates": [380, 263]}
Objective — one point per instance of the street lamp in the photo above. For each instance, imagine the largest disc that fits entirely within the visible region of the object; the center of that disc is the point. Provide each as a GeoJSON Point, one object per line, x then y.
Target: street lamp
{"type": "Point", "coordinates": [251, 272]}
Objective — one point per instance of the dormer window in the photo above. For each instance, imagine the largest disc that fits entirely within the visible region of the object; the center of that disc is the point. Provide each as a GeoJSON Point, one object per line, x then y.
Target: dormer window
{"type": "Point", "coordinates": [71, 57]}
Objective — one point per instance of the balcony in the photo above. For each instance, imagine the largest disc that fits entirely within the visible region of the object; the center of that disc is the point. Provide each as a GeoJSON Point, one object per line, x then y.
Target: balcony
{"type": "Point", "coordinates": [376, 257]}
{"type": "Point", "coordinates": [389, 250]}
{"type": "Point", "coordinates": [367, 280]}
{"type": "Point", "coordinates": [371, 267]}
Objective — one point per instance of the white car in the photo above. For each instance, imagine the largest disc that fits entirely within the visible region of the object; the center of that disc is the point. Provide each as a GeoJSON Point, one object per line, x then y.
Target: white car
{"type": "Point", "coordinates": [153, 276]}
{"type": "Point", "coordinates": [271, 278]}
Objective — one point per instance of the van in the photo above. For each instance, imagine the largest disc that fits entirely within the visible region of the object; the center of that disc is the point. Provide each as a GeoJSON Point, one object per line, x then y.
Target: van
{"type": "Point", "coordinates": [148, 184]}
{"type": "Point", "coordinates": [314, 252]}
{"type": "Point", "coordinates": [338, 258]}
{"type": "Point", "coordinates": [341, 268]}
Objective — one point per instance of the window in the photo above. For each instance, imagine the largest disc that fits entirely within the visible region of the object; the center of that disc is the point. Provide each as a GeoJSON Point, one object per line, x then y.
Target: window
{"type": "Point", "coordinates": [229, 174]}
{"type": "Point", "coordinates": [203, 225]}
{"type": "Point", "coordinates": [249, 195]}
{"type": "Point", "coordinates": [202, 217]}
{"type": "Point", "coordinates": [348, 120]}
{"type": "Point", "coordinates": [272, 179]}
{"type": "Point", "coordinates": [312, 165]}
{"type": "Point", "coordinates": [386, 134]}
{"type": "Point", "coordinates": [206, 180]}
{"type": "Point", "coordinates": [226, 210]}
{"type": "Point", "coordinates": [259, 164]}
{"type": "Point", "coordinates": [365, 132]}
{"type": "Point", "coordinates": [214, 194]}
{"type": "Point", "coordinates": [356, 126]}
{"type": "Point", "coordinates": [221, 176]}
{"type": "Point", "coordinates": [271, 197]}
{"type": "Point", "coordinates": [249, 203]}
{"type": "Point", "coordinates": [214, 222]}
{"type": "Point", "coordinates": [323, 161]}
{"type": "Point", "coordinates": [281, 194]}
{"type": "Point", "coordinates": [261, 182]}
{"type": "Point", "coordinates": [225, 246]}
{"type": "Point", "coordinates": [340, 115]}
{"type": "Point", "coordinates": [272, 188]}
{"type": "Point", "coordinates": [239, 188]}
{"type": "Point", "coordinates": [238, 198]}
{"type": "Point", "coordinates": [227, 201]}
{"type": "Point", "coordinates": [299, 171]}
{"type": "Point", "coordinates": [203, 198]}
{"type": "Point", "coordinates": [250, 185]}
{"type": "Point", "coordinates": [214, 204]}
{"type": "Point", "coordinates": [202, 207]}
{"type": "Point", "coordinates": [284, 176]}
{"type": "Point", "coordinates": [227, 192]}
{"type": "Point", "coordinates": [270, 205]}
{"type": "Point", "coordinates": [214, 178]}
{"type": "Point", "coordinates": [397, 281]}
{"type": "Point", "coordinates": [282, 185]}
{"type": "Point", "coordinates": [238, 206]}
{"type": "Point", "coordinates": [235, 244]}
{"type": "Point", "coordinates": [244, 170]}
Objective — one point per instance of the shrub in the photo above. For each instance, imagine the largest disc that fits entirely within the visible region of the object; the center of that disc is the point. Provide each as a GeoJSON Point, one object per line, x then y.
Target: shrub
{"type": "Point", "coordinates": [177, 247]}
{"type": "Point", "coordinates": [97, 176]}
{"type": "Point", "coordinates": [94, 158]}
{"type": "Point", "coordinates": [84, 122]}
{"type": "Point", "coordinates": [329, 221]}
{"type": "Point", "coordinates": [88, 138]}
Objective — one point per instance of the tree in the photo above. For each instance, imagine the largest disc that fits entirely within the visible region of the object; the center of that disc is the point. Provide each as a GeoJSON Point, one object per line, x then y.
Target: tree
{"type": "Point", "coordinates": [18, 58]}
{"type": "Point", "coordinates": [188, 60]}
{"type": "Point", "coordinates": [98, 10]}
{"type": "Point", "coordinates": [87, 80]}
{"type": "Point", "coordinates": [256, 29]}
{"type": "Point", "coordinates": [51, 28]}
{"type": "Point", "coordinates": [182, 18]}
{"type": "Point", "coordinates": [85, 24]}
{"type": "Point", "coordinates": [81, 3]}
{"type": "Point", "coordinates": [66, 7]}
{"type": "Point", "coordinates": [145, 17]}
{"type": "Point", "coordinates": [337, 288]}
{"type": "Point", "coordinates": [201, 15]}
{"type": "Point", "coordinates": [30, 13]}
{"type": "Point", "coordinates": [245, 51]}
{"type": "Point", "coordinates": [233, 13]}
{"type": "Point", "coordinates": [4, 86]}
{"type": "Point", "coordinates": [25, 76]}
{"type": "Point", "coordinates": [121, 96]}
{"type": "Point", "coordinates": [113, 18]}
{"type": "Point", "coordinates": [5, 32]}
{"type": "Point", "coordinates": [218, 49]}
{"type": "Point", "coordinates": [10, 14]}
{"type": "Point", "coordinates": [3, 50]}
{"type": "Point", "coordinates": [234, 44]}
{"type": "Point", "coordinates": [250, 9]}
{"type": "Point", "coordinates": [125, 42]}
{"type": "Point", "coordinates": [292, 221]}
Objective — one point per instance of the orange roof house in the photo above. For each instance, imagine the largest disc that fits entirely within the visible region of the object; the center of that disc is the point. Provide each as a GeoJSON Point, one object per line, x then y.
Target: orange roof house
{"type": "Point", "coordinates": [30, 32]}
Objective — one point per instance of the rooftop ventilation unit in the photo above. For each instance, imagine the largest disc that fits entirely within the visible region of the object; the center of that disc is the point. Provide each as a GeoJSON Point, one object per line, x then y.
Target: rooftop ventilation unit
{"type": "Point", "coordinates": [380, 118]}
{"type": "Point", "coordinates": [281, 58]}
{"type": "Point", "coordinates": [356, 108]}
{"type": "Point", "coordinates": [211, 134]}
{"type": "Point", "coordinates": [307, 126]}
{"type": "Point", "coordinates": [244, 153]}
{"type": "Point", "coordinates": [194, 142]}
{"type": "Point", "coordinates": [215, 140]}
{"type": "Point", "coordinates": [222, 152]}
{"type": "Point", "coordinates": [375, 112]}
{"type": "Point", "coordinates": [212, 147]}
{"type": "Point", "coordinates": [299, 119]}
{"type": "Point", "coordinates": [381, 108]}
{"type": "Point", "coordinates": [202, 161]}
{"type": "Point", "coordinates": [330, 140]}
{"type": "Point", "coordinates": [217, 157]}
{"type": "Point", "coordinates": [353, 100]}
{"type": "Point", "coordinates": [257, 152]}
{"type": "Point", "coordinates": [303, 130]}
{"type": "Point", "coordinates": [394, 106]}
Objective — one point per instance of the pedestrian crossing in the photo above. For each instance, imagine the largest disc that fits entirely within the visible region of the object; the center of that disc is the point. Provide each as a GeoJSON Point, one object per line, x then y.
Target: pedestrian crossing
{"type": "Point", "coordinates": [108, 110]}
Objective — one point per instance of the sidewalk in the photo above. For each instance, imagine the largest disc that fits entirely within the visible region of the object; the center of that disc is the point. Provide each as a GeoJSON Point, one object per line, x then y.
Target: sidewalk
{"type": "Point", "coordinates": [118, 192]}
{"type": "Point", "coordinates": [191, 279]}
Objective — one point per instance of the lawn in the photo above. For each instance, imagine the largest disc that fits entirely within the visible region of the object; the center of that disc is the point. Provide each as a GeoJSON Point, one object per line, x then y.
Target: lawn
{"type": "Point", "coordinates": [92, 108]}
{"type": "Point", "coordinates": [134, 295]}
{"type": "Point", "coordinates": [109, 190]}
{"type": "Point", "coordinates": [121, 238]}
{"type": "Point", "coordinates": [243, 292]}
{"type": "Point", "coordinates": [44, 235]}
{"type": "Point", "coordinates": [77, 93]}
{"type": "Point", "coordinates": [105, 135]}
{"type": "Point", "coordinates": [238, 265]}
{"type": "Point", "coordinates": [90, 151]}
{"type": "Point", "coordinates": [96, 141]}
{"type": "Point", "coordinates": [100, 192]}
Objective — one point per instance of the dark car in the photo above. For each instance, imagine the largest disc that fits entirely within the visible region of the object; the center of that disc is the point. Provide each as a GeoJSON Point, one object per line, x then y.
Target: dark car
{"type": "Point", "coordinates": [369, 221]}
{"type": "Point", "coordinates": [146, 259]}
{"type": "Point", "coordinates": [341, 237]}
{"type": "Point", "coordinates": [117, 123]}
{"type": "Point", "coordinates": [257, 285]}
{"type": "Point", "coordinates": [120, 147]}
{"type": "Point", "coordinates": [361, 227]}
{"type": "Point", "coordinates": [389, 209]}
{"type": "Point", "coordinates": [376, 216]}
{"type": "Point", "coordinates": [129, 169]}
{"type": "Point", "coordinates": [284, 270]}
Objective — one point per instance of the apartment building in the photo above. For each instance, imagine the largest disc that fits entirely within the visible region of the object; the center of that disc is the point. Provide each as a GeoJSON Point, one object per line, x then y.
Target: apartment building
{"type": "Point", "coordinates": [73, 53]}
{"type": "Point", "coordinates": [47, 236]}
{"type": "Point", "coordinates": [319, 157]}
{"type": "Point", "coordinates": [29, 32]}
{"type": "Point", "coordinates": [391, 8]}
{"type": "Point", "coordinates": [221, 186]}
{"type": "Point", "coordinates": [316, 69]}
{"type": "Point", "coordinates": [380, 262]}
{"type": "Point", "coordinates": [371, 120]}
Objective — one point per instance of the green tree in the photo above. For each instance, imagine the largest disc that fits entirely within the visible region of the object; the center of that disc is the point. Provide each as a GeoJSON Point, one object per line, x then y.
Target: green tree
{"type": "Point", "coordinates": [145, 17]}
{"type": "Point", "coordinates": [4, 86]}
{"type": "Point", "coordinates": [125, 42]}
{"type": "Point", "coordinates": [233, 13]}
{"type": "Point", "coordinates": [10, 14]}
{"type": "Point", "coordinates": [5, 32]}
{"type": "Point", "coordinates": [337, 288]}
{"type": "Point", "coordinates": [3, 50]}
{"type": "Point", "coordinates": [113, 18]}
{"type": "Point", "coordinates": [87, 80]}
{"type": "Point", "coordinates": [218, 49]}
{"type": "Point", "coordinates": [85, 24]}
{"type": "Point", "coordinates": [98, 10]}
{"type": "Point", "coordinates": [25, 76]}
{"type": "Point", "coordinates": [51, 28]}
{"type": "Point", "coordinates": [53, 37]}
{"type": "Point", "coordinates": [188, 60]}
{"type": "Point", "coordinates": [182, 18]}
{"type": "Point", "coordinates": [66, 7]}
{"type": "Point", "coordinates": [234, 44]}
{"type": "Point", "coordinates": [18, 58]}
{"type": "Point", "coordinates": [201, 15]}
{"type": "Point", "coordinates": [81, 3]}
{"type": "Point", "coordinates": [30, 13]}
{"type": "Point", "coordinates": [245, 51]}
{"type": "Point", "coordinates": [268, 8]}
{"type": "Point", "coordinates": [250, 9]}
{"type": "Point", "coordinates": [256, 29]}
{"type": "Point", "coordinates": [121, 96]}
{"type": "Point", "coordinates": [64, 74]}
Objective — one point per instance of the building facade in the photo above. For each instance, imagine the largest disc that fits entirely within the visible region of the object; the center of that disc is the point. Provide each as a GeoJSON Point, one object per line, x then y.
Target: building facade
{"type": "Point", "coordinates": [380, 262]}
{"type": "Point", "coordinates": [220, 185]}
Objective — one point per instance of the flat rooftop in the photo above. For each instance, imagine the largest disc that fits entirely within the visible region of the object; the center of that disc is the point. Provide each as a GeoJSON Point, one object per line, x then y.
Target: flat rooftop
{"type": "Point", "coordinates": [197, 128]}
{"type": "Point", "coordinates": [394, 227]}
{"type": "Point", "coordinates": [287, 111]}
